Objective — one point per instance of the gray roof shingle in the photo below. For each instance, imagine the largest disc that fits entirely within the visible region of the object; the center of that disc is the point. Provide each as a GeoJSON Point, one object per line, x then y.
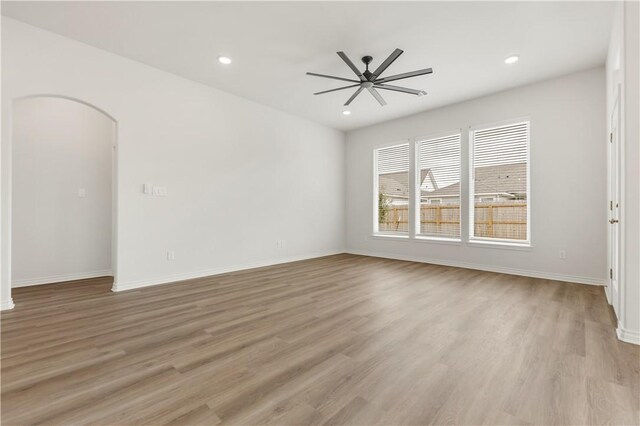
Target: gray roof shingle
{"type": "Point", "coordinates": [501, 179]}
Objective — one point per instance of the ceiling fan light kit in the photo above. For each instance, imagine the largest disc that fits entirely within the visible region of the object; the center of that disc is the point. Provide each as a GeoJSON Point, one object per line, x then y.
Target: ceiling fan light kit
{"type": "Point", "coordinates": [371, 80]}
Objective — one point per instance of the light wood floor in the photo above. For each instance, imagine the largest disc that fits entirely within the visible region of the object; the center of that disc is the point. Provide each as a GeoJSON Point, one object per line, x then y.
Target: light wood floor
{"type": "Point", "coordinates": [338, 340]}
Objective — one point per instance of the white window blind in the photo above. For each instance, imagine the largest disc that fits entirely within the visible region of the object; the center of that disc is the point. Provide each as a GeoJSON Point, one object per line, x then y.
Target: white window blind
{"type": "Point", "coordinates": [392, 194]}
{"type": "Point", "coordinates": [498, 183]}
{"type": "Point", "coordinates": [438, 186]}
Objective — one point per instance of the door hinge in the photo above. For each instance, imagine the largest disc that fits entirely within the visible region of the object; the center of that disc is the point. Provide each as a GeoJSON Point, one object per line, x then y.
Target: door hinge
{"type": "Point", "coordinates": [610, 205]}
{"type": "Point", "coordinates": [611, 273]}
{"type": "Point", "coordinates": [610, 137]}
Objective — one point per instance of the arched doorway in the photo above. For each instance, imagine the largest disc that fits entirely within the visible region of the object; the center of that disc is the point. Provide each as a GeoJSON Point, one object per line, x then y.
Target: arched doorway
{"type": "Point", "coordinates": [63, 201]}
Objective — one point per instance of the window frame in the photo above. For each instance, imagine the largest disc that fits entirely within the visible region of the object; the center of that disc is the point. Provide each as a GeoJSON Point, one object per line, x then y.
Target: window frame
{"type": "Point", "coordinates": [376, 230]}
{"type": "Point", "coordinates": [472, 240]}
{"type": "Point", "coordinates": [416, 186]}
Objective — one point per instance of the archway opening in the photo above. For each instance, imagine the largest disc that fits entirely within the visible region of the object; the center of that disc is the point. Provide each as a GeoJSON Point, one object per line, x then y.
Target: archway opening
{"type": "Point", "coordinates": [63, 193]}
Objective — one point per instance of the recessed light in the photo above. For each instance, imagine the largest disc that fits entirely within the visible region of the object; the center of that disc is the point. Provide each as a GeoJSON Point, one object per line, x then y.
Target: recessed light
{"type": "Point", "coordinates": [346, 112]}
{"type": "Point", "coordinates": [511, 59]}
{"type": "Point", "coordinates": [224, 60]}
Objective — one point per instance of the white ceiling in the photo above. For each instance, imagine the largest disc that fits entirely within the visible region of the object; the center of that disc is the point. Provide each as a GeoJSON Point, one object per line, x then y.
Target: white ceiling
{"type": "Point", "coordinates": [273, 44]}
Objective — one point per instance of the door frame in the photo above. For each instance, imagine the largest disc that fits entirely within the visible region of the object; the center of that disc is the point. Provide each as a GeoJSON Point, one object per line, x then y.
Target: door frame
{"type": "Point", "coordinates": [616, 299]}
{"type": "Point", "coordinates": [613, 208]}
{"type": "Point", "coordinates": [9, 197]}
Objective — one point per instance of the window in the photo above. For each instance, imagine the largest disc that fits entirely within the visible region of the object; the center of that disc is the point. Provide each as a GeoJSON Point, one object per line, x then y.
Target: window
{"type": "Point", "coordinates": [499, 183]}
{"type": "Point", "coordinates": [392, 190]}
{"type": "Point", "coordinates": [438, 187]}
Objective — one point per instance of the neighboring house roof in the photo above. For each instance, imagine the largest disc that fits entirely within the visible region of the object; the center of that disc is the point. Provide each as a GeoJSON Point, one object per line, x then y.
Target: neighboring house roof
{"type": "Point", "coordinates": [428, 182]}
{"type": "Point", "coordinates": [447, 191]}
{"type": "Point", "coordinates": [397, 184]}
{"type": "Point", "coordinates": [502, 179]}
{"type": "Point", "coordinates": [394, 184]}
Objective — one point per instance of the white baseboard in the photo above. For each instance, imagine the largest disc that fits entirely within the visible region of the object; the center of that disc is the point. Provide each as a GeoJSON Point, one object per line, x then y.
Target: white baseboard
{"type": "Point", "coordinates": [489, 268]}
{"type": "Point", "coordinates": [60, 278]}
{"type": "Point", "coordinates": [123, 286]}
{"type": "Point", "coordinates": [5, 305]}
{"type": "Point", "coordinates": [628, 336]}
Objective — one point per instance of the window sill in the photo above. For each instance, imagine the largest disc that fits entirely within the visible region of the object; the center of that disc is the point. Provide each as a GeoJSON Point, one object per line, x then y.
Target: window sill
{"type": "Point", "coordinates": [500, 245]}
{"type": "Point", "coordinates": [438, 240]}
{"type": "Point", "coordinates": [390, 237]}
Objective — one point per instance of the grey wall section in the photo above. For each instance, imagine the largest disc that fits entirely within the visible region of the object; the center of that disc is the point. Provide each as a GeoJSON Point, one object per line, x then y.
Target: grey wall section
{"type": "Point", "coordinates": [631, 320]}
{"type": "Point", "coordinates": [568, 178]}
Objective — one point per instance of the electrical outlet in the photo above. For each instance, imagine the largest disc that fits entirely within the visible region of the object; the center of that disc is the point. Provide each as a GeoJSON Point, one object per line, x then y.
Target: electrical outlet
{"type": "Point", "coordinates": [562, 254]}
{"type": "Point", "coordinates": [171, 255]}
{"type": "Point", "coordinates": [82, 193]}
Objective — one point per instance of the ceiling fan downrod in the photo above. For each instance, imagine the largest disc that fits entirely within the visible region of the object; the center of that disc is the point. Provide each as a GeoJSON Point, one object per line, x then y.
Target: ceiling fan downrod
{"type": "Point", "coordinates": [367, 60]}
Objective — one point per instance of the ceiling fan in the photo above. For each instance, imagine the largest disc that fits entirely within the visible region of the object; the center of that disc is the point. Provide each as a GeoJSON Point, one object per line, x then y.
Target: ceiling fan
{"type": "Point", "coordinates": [372, 81]}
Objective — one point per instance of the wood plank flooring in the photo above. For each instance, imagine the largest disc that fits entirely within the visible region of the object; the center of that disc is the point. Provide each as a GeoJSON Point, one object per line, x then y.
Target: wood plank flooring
{"type": "Point", "coordinates": [337, 340]}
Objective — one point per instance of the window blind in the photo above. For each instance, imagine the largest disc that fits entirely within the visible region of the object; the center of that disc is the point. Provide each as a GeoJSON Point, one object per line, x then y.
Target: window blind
{"type": "Point", "coordinates": [499, 184]}
{"type": "Point", "coordinates": [393, 159]}
{"type": "Point", "coordinates": [439, 186]}
{"type": "Point", "coordinates": [392, 173]}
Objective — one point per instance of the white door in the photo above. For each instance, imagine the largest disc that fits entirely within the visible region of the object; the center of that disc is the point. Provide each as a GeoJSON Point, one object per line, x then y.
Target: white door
{"type": "Point", "coordinates": [614, 204]}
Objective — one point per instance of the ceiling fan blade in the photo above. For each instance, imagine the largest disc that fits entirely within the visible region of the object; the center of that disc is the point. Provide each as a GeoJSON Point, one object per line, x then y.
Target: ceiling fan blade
{"type": "Point", "coordinates": [351, 65]}
{"type": "Point", "coordinates": [400, 89]}
{"type": "Point", "coordinates": [376, 95]}
{"type": "Point", "coordinates": [333, 77]}
{"type": "Point", "coordinates": [339, 88]}
{"type": "Point", "coordinates": [404, 75]}
{"type": "Point", "coordinates": [357, 92]}
{"type": "Point", "coordinates": [383, 66]}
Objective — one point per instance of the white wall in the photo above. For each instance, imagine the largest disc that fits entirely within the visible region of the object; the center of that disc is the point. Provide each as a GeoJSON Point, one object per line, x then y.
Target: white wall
{"type": "Point", "coordinates": [631, 322]}
{"type": "Point", "coordinates": [60, 147]}
{"type": "Point", "coordinates": [239, 175]}
{"type": "Point", "coordinates": [623, 68]}
{"type": "Point", "coordinates": [568, 176]}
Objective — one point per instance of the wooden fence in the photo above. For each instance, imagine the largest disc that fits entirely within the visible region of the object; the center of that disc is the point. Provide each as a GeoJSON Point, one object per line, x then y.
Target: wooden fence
{"type": "Point", "coordinates": [494, 220]}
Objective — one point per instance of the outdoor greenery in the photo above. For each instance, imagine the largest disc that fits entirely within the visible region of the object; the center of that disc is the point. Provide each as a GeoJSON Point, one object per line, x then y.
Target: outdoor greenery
{"type": "Point", "coordinates": [383, 207]}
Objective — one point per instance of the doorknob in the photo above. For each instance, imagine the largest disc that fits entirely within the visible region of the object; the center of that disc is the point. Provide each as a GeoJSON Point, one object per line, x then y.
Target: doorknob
{"type": "Point", "coordinates": [612, 221]}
